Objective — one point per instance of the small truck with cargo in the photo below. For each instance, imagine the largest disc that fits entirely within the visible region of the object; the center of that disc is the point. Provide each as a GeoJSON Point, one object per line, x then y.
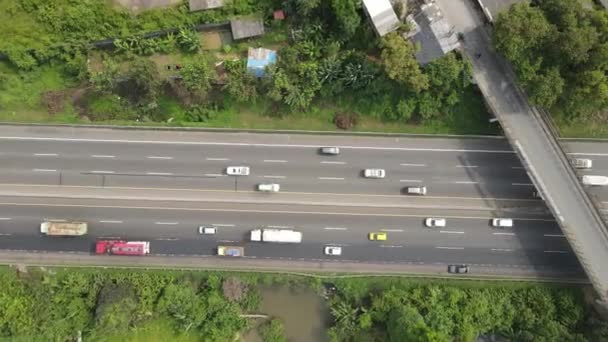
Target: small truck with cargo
{"type": "Point", "coordinates": [122, 247]}
{"type": "Point", "coordinates": [231, 251]}
{"type": "Point", "coordinates": [276, 235]}
{"type": "Point", "coordinates": [63, 228]}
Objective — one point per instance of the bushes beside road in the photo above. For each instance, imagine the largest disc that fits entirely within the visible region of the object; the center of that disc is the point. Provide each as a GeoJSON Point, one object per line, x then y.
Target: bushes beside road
{"type": "Point", "coordinates": [109, 304]}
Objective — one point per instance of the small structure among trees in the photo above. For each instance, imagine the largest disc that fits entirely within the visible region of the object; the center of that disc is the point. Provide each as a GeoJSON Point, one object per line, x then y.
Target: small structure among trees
{"type": "Point", "coordinates": [259, 59]}
{"type": "Point", "coordinates": [198, 5]}
{"type": "Point", "coordinates": [246, 27]}
{"type": "Point", "coordinates": [432, 31]}
{"type": "Point", "coordinates": [382, 15]}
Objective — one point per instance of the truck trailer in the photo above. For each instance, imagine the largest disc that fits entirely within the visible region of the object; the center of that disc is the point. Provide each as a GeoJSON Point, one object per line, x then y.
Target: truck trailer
{"type": "Point", "coordinates": [63, 228]}
{"type": "Point", "coordinates": [121, 247]}
{"type": "Point", "coordinates": [276, 235]}
{"type": "Point", "coordinates": [595, 180]}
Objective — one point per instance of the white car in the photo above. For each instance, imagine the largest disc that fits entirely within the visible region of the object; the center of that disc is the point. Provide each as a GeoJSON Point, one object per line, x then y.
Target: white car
{"type": "Point", "coordinates": [416, 190]}
{"type": "Point", "coordinates": [582, 163]}
{"type": "Point", "coordinates": [432, 222]}
{"type": "Point", "coordinates": [237, 170]}
{"type": "Point", "coordinates": [333, 250]}
{"type": "Point", "coordinates": [502, 222]}
{"type": "Point", "coordinates": [207, 230]}
{"type": "Point", "coordinates": [272, 187]}
{"type": "Point", "coordinates": [374, 173]}
{"type": "Point", "coordinates": [330, 150]}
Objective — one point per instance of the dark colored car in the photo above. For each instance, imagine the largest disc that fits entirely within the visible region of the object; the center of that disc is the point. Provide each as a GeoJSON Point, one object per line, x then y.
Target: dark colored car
{"type": "Point", "coordinates": [458, 269]}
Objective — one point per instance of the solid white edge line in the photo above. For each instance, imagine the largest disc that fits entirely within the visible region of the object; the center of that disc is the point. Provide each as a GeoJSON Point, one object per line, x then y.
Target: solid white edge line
{"type": "Point", "coordinates": [201, 143]}
{"type": "Point", "coordinates": [159, 173]}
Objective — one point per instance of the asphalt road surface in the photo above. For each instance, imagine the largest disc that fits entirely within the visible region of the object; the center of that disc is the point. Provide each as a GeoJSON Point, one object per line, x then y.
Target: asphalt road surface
{"type": "Point", "coordinates": [478, 168]}
{"type": "Point", "coordinates": [535, 241]}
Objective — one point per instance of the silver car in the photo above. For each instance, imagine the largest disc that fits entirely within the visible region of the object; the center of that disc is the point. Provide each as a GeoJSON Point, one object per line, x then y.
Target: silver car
{"type": "Point", "coordinates": [272, 187]}
{"type": "Point", "coordinates": [333, 250]}
{"type": "Point", "coordinates": [374, 173]}
{"type": "Point", "coordinates": [416, 190]}
{"type": "Point", "coordinates": [330, 150]}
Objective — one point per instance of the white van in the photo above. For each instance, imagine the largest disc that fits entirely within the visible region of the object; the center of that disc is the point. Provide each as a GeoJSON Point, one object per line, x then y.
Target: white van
{"type": "Point", "coordinates": [582, 163]}
{"type": "Point", "coordinates": [272, 187]}
{"type": "Point", "coordinates": [502, 222]}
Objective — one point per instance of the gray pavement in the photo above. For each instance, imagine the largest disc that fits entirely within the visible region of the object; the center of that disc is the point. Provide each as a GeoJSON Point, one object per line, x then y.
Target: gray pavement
{"type": "Point", "coordinates": [535, 144]}
{"type": "Point", "coordinates": [534, 243]}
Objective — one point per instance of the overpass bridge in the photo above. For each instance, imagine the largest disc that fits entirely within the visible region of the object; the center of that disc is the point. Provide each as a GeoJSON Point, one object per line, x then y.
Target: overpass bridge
{"type": "Point", "coordinates": [537, 146]}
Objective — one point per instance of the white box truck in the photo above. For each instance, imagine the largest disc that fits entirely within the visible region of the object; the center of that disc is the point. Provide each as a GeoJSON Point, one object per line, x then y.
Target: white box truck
{"type": "Point", "coordinates": [276, 235]}
{"type": "Point", "coordinates": [595, 180]}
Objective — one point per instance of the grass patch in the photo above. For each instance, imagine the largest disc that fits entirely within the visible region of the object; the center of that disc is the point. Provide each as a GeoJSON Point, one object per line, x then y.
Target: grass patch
{"type": "Point", "coordinates": [155, 331]}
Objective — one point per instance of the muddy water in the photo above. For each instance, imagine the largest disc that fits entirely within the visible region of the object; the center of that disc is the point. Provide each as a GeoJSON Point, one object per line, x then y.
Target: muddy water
{"type": "Point", "coordinates": [304, 314]}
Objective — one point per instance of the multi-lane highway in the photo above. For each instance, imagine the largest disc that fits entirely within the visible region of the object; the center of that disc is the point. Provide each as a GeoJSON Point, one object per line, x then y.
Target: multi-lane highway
{"type": "Point", "coordinates": [469, 181]}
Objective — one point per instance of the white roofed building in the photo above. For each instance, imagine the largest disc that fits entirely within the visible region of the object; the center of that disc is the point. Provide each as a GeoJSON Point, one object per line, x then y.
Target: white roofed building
{"type": "Point", "coordinates": [382, 15]}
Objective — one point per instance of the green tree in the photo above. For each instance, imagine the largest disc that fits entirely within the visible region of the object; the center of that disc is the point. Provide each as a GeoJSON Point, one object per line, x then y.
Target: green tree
{"type": "Point", "coordinates": [240, 84]}
{"type": "Point", "coordinates": [141, 83]}
{"type": "Point", "coordinates": [197, 75]}
{"type": "Point", "coordinates": [297, 87]}
{"type": "Point", "coordinates": [188, 40]}
{"type": "Point", "coordinates": [400, 63]}
{"type": "Point", "coordinates": [346, 13]}
{"type": "Point", "coordinates": [273, 331]}
{"type": "Point", "coordinates": [116, 307]}
{"type": "Point", "coordinates": [545, 88]}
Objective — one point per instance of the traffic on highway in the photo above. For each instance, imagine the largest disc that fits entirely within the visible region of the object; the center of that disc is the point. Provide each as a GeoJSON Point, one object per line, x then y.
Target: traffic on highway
{"type": "Point", "coordinates": [395, 200]}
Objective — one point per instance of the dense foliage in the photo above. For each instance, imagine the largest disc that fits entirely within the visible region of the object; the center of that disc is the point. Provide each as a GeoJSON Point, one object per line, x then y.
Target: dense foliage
{"type": "Point", "coordinates": [39, 306]}
{"type": "Point", "coordinates": [393, 310]}
{"type": "Point", "coordinates": [560, 53]}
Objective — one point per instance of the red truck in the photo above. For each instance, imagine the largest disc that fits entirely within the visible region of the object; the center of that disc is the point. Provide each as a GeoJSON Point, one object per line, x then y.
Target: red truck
{"type": "Point", "coordinates": [120, 247]}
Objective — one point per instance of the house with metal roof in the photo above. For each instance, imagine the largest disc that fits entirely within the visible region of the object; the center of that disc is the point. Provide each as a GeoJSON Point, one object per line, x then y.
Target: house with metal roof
{"type": "Point", "coordinates": [432, 31]}
{"type": "Point", "coordinates": [382, 16]}
{"type": "Point", "coordinates": [198, 5]}
{"type": "Point", "coordinates": [246, 27]}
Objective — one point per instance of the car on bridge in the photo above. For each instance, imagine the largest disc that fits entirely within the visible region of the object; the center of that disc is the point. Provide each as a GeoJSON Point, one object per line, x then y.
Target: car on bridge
{"type": "Point", "coordinates": [582, 163]}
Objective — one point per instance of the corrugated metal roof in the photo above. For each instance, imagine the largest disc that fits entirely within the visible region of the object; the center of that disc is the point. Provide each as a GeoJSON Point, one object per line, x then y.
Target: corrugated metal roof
{"type": "Point", "coordinates": [382, 15]}
{"type": "Point", "coordinates": [197, 5]}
